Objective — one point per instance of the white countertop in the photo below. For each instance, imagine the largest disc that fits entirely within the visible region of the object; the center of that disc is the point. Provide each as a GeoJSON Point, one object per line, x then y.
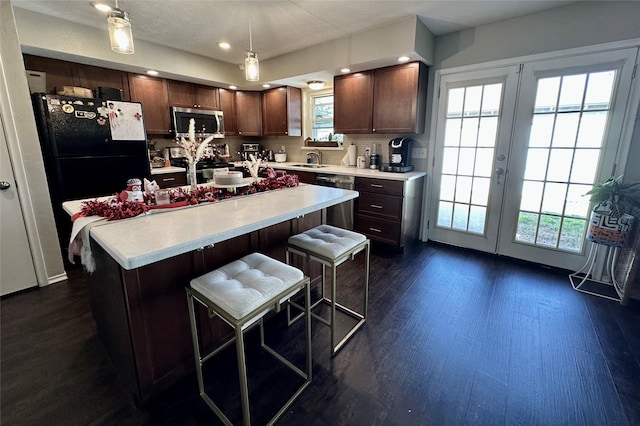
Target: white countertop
{"type": "Point", "coordinates": [169, 169]}
{"type": "Point", "coordinates": [153, 237]}
{"type": "Point", "coordinates": [344, 170]}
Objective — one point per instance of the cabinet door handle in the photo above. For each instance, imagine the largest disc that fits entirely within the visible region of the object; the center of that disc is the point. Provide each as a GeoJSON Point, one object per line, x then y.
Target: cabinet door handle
{"type": "Point", "coordinates": [168, 179]}
{"type": "Point", "coordinates": [375, 185]}
{"type": "Point", "coordinates": [375, 206]}
{"type": "Point", "coordinates": [375, 230]}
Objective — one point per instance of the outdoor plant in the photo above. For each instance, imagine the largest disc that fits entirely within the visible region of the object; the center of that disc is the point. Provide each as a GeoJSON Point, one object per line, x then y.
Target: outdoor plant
{"type": "Point", "coordinates": [614, 198]}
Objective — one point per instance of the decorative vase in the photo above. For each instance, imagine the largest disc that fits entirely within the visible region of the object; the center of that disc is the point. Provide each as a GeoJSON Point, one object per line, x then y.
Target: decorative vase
{"type": "Point", "coordinates": [610, 230]}
{"type": "Point", "coordinates": [193, 181]}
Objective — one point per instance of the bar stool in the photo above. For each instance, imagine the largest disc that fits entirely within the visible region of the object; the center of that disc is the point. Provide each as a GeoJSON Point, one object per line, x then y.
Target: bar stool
{"type": "Point", "coordinates": [241, 293]}
{"type": "Point", "coordinates": [331, 246]}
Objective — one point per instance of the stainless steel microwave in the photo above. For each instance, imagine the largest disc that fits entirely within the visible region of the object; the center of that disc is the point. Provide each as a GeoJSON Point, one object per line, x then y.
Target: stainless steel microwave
{"type": "Point", "coordinates": [207, 122]}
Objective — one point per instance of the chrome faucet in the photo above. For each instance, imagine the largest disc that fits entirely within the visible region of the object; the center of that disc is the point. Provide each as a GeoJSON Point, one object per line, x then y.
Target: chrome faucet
{"type": "Point", "coordinates": [317, 155]}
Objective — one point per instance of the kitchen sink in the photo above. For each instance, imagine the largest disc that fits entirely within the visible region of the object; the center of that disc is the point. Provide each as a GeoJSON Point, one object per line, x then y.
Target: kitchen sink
{"type": "Point", "coordinates": [310, 166]}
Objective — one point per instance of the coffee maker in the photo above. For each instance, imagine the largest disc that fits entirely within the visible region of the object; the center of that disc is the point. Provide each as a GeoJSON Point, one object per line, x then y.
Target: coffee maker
{"type": "Point", "coordinates": [399, 153]}
{"type": "Point", "coordinates": [249, 148]}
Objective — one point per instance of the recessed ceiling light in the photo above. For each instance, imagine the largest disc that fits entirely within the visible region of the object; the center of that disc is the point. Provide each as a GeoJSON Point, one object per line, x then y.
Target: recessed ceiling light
{"type": "Point", "coordinates": [152, 72]}
{"type": "Point", "coordinates": [266, 85]}
{"type": "Point", "coordinates": [345, 70]}
{"type": "Point", "coordinates": [403, 59]}
{"type": "Point", "coordinates": [224, 45]}
{"type": "Point", "coordinates": [232, 87]}
{"type": "Point", "coordinates": [102, 7]}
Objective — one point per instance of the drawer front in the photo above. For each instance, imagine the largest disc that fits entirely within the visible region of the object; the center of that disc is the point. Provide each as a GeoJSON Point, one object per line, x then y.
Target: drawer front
{"type": "Point", "coordinates": [168, 180]}
{"type": "Point", "coordinates": [380, 186]}
{"type": "Point", "coordinates": [387, 206]}
{"type": "Point", "coordinates": [378, 229]}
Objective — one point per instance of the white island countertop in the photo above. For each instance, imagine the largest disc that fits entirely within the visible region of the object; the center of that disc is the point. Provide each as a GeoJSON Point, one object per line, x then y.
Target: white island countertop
{"type": "Point", "coordinates": [150, 238]}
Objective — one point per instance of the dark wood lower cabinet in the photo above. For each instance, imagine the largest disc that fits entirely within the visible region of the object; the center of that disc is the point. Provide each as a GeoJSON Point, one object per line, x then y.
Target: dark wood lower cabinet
{"type": "Point", "coordinates": [141, 314]}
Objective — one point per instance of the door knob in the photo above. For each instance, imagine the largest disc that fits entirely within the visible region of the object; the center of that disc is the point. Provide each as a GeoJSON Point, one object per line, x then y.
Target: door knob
{"type": "Point", "coordinates": [4, 184]}
{"type": "Point", "coordinates": [501, 157]}
{"type": "Point", "coordinates": [499, 171]}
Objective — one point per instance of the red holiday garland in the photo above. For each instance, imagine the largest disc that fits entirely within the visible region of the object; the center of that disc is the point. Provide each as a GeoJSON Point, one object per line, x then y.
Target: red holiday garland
{"type": "Point", "coordinates": [118, 208]}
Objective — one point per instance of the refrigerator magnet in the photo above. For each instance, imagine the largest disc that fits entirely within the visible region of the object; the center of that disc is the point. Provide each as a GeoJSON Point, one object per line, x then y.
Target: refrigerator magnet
{"type": "Point", "coordinates": [67, 108]}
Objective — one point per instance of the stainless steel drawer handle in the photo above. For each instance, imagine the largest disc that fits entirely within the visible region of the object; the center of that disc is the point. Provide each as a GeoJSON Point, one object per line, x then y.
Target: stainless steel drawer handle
{"type": "Point", "coordinates": [168, 179]}
{"type": "Point", "coordinates": [375, 206]}
{"type": "Point", "coordinates": [375, 230]}
{"type": "Point", "coordinates": [375, 185]}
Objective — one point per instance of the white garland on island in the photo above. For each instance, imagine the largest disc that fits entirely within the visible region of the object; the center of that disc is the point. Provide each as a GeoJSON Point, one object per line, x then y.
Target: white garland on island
{"type": "Point", "coordinates": [253, 166]}
{"type": "Point", "coordinates": [194, 151]}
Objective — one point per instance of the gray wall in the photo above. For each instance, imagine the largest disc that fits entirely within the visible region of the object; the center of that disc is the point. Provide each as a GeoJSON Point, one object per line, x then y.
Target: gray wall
{"type": "Point", "coordinates": [580, 24]}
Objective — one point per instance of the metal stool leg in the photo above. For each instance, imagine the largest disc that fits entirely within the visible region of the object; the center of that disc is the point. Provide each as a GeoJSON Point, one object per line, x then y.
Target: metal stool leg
{"type": "Point", "coordinates": [242, 374]}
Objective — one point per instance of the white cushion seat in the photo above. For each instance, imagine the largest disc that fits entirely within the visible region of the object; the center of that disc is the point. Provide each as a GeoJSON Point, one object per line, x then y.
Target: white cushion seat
{"type": "Point", "coordinates": [243, 285]}
{"type": "Point", "coordinates": [327, 241]}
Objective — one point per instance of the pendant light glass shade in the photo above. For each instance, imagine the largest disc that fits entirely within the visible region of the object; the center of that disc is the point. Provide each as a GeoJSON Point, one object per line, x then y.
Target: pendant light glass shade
{"type": "Point", "coordinates": [315, 84]}
{"type": "Point", "coordinates": [120, 32]}
{"type": "Point", "coordinates": [251, 67]}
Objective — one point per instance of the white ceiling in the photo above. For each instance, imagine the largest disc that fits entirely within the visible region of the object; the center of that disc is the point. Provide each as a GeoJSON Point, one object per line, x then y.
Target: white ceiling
{"type": "Point", "coordinates": [278, 27]}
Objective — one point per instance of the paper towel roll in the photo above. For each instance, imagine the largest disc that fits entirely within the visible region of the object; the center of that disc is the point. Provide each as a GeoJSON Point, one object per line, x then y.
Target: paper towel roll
{"type": "Point", "coordinates": [351, 158]}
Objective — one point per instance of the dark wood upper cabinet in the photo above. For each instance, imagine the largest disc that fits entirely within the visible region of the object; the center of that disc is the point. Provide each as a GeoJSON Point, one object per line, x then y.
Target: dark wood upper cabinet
{"type": "Point", "coordinates": [63, 73]}
{"type": "Point", "coordinates": [181, 94]}
{"type": "Point", "coordinates": [92, 77]}
{"type": "Point", "coordinates": [353, 103]}
{"type": "Point", "coordinates": [152, 93]}
{"type": "Point", "coordinates": [282, 111]}
{"type": "Point", "coordinates": [188, 95]}
{"type": "Point", "coordinates": [248, 113]}
{"type": "Point", "coordinates": [386, 100]}
{"type": "Point", "coordinates": [228, 107]}
{"type": "Point", "coordinates": [207, 97]}
{"type": "Point", "coordinates": [399, 95]}
{"type": "Point", "coordinates": [59, 73]}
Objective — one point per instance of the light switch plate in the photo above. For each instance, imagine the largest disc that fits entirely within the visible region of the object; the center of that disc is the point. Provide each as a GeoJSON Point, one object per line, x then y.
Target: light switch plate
{"type": "Point", "coordinates": [419, 153]}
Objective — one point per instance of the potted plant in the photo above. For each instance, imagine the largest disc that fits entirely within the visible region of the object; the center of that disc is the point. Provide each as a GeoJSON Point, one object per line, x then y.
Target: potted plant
{"type": "Point", "coordinates": [611, 219]}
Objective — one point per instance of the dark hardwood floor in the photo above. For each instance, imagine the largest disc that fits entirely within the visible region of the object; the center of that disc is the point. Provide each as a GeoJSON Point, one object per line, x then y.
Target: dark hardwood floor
{"type": "Point", "coordinates": [453, 337]}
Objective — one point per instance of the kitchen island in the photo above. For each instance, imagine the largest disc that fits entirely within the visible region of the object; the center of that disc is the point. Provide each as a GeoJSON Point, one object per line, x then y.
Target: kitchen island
{"type": "Point", "coordinates": [144, 263]}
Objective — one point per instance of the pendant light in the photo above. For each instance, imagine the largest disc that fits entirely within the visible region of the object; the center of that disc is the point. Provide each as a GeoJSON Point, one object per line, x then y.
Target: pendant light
{"type": "Point", "coordinates": [315, 84]}
{"type": "Point", "coordinates": [251, 64]}
{"type": "Point", "coordinates": [120, 31]}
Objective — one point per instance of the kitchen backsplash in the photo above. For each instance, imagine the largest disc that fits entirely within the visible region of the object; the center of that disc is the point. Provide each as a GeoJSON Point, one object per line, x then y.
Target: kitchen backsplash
{"type": "Point", "coordinates": [296, 153]}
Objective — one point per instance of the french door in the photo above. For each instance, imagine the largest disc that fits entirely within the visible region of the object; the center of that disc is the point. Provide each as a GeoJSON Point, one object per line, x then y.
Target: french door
{"type": "Point", "coordinates": [517, 147]}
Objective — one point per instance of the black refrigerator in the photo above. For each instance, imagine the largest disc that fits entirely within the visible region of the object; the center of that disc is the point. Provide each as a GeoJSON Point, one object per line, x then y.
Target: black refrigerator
{"type": "Point", "coordinates": [91, 147]}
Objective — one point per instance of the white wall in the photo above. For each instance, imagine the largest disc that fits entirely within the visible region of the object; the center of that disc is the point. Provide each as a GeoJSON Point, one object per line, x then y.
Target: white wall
{"type": "Point", "coordinates": [24, 149]}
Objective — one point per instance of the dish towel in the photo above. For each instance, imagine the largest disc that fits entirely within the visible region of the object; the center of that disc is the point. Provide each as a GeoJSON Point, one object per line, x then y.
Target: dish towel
{"type": "Point", "coordinates": [79, 242]}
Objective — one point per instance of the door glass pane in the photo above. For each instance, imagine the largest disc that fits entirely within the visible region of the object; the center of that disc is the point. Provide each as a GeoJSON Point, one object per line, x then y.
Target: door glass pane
{"type": "Point", "coordinates": [488, 131]}
{"type": "Point", "coordinates": [553, 211]}
{"type": "Point", "coordinates": [599, 90]}
{"type": "Point", "coordinates": [472, 101]}
{"type": "Point", "coordinates": [547, 94]}
{"type": "Point", "coordinates": [572, 92]}
{"type": "Point", "coordinates": [591, 130]}
{"type": "Point", "coordinates": [471, 132]}
{"type": "Point", "coordinates": [558, 161]}
{"type": "Point", "coordinates": [565, 130]}
{"type": "Point", "coordinates": [536, 168]}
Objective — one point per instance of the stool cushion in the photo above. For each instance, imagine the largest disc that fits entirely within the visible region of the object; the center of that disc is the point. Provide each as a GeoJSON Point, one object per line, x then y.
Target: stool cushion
{"type": "Point", "coordinates": [327, 241]}
{"type": "Point", "coordinates": [243, 285]}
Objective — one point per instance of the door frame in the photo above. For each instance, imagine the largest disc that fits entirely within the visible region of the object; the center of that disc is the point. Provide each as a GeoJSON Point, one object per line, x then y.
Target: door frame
{"type": "Point", "coordinates": [628, 121]}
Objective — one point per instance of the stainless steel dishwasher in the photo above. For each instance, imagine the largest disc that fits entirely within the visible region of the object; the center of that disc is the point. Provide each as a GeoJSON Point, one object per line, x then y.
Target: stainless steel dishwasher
{"type": "Point", "coordinates": [340, 215]}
